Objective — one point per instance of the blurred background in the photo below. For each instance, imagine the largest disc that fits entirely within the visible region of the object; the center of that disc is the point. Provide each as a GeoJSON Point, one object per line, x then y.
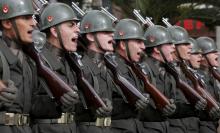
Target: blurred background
{"type": "Point", "coordinates": [198, 17]}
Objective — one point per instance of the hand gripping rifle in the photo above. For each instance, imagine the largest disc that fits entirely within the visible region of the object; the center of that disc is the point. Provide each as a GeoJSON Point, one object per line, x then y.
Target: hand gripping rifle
{"type": "Point", "coordinates": [192, 95]}
{"type": "Point", "coordinates": [160, 99]}
{"type": "Point", "coordinates": [199, 87]}
{"type": "Point", "coordinates": [131, 93]}
{"type": "Point", "coordinates": [92, 98]}
{"type": "Point", "coordinates": [56, 85]}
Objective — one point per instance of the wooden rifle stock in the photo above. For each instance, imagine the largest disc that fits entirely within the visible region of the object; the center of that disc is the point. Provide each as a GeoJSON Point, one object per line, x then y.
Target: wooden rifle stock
{"type": "Point", "coordinates": [192, 96]}
{"type": "Point", "coordinates": [159, 98]}
{"type": "Point", "coordinates": [56, 85]}
{"type": "Point", "coordinates": [131, 93]}
{"type": "Point", "coordinates": [92, 98]}
{"type": "Point", "coordinates": [199, 87]}
{"type": "Point", "coordinates": [215, 73]}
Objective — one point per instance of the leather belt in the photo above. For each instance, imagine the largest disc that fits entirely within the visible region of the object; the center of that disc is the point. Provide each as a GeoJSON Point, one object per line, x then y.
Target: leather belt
{"type": "Point", "coordinates": [14, 119]}
{"type": "Point", "coordinates": [66, 118]}
{"type": "Point", "coordinates": [100, 122]}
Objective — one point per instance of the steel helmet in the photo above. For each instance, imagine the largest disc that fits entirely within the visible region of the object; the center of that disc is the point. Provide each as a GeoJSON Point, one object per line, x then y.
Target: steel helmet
{"type": "Point", "coordinates": [128, 29]}
{"type": "Point", "coordinates": [195, 47]}
{"type": "Point", "coordinates": [157, 35]}
{"type": "Point", "coordinates": [94, 21]}
{"type": "Point", "coordinates": [207, 45]}
{"type": "Point", "coordinates": [178, 34]}
{"type": "Point", "coordinates": [56, 13]}
{"type": "Point", "coordinates": [14, 8]}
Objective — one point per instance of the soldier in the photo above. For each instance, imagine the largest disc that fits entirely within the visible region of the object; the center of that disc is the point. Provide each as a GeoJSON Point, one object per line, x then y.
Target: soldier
{"type": "Point", "coordinates": [208, 122]}
{"type": "Point", "coordinates": [196, 55]}
{"type": "Point", "coordinates": [97, 32]}
{"type": "Point", "coordinates": [159, 49]}
{"type": "Point", "coordinates": [129, 47]}
{"type": "Point", "coordinates": [18, 72]}
{"type": "Point", "coordinates": [188, 121]}
{"type": "Point", "coordinates": [59, 22]}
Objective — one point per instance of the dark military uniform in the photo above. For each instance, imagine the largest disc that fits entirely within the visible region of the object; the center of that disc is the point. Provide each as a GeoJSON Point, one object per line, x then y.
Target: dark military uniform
{"type": "Point", "coordinates": [184, 120]}
{"type": "Point", "coordinates": [96, 73]}
{"type": "Point", "coordinates": [152, 118]}
{"type": "Point", "coordinates": [48, 116]}
{"type": "Point", "coordinates": [207, 124]}
{"type": "Point", "coordinates": [124, 116]}
{"type": "Point", "coordinates": [21, 70]}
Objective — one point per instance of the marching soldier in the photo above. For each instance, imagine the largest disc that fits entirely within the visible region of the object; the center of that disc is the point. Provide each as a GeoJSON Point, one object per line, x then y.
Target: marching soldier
{"type": "Point", "coordinates": [59, 22]}
{"type": "Point", "coordinates": [129, 47]}
{"type": "Point", "coordinates": [97, 32]}
{"type": "Point", "coordinates": [208, 122]}
{"type": "Point", "coordinates": [18, 71]}
{"type": "Point", "coordinates": [188, 121]}
{"type": "Point", "coordinates": [159, 49]}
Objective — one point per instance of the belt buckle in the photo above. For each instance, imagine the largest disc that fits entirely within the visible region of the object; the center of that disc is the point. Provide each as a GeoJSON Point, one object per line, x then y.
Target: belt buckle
{"type": "Point", "coordinates": [9, 119]}
{"type": "Point", "coordinates": [107, 121]}
{"type": "Point", "coordinates": [65, 118]}
{"type": "Point", "coordinates": [103, 122]}
{"type": "Point", "coordinates": [22, 119]}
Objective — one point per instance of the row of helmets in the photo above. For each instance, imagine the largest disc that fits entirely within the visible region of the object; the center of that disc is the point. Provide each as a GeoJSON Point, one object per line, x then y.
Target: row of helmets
{"type": "Point", "coordinates": [93, 21]}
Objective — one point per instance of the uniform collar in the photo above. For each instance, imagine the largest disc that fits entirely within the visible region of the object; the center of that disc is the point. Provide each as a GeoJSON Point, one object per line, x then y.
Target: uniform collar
{"type": "Point", "coordinates": [96, 57]}
{"type": "Point", "coordinates": [4, 46]}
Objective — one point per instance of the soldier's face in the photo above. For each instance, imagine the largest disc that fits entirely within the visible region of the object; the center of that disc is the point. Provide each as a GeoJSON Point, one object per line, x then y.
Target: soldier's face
{"type": "Point", "coordinates": [106, 40]}
{"type": "Point", "coordinates": [184, 50]}
{"type": "Point", "coordinates": [168, 50]}
{"type": "Point", "coordinates": [25, 26]}
{"type": "Point", "coordinates": [195, 60]}
{"type": "Point", "coordinates": [213, 58]}
{"type": "Point", "coordinates": [136, 47]}
{"type": "Point", "coordinates": [69, 33]}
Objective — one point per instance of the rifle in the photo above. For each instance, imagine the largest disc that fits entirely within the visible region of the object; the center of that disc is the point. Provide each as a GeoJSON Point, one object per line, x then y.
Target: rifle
{"type": "Point", "coordinates": [113, 18]}
{"type": "Point", "coordinates": [215, 73]}
{"type": "Point", "coordinates": [80, 11]}
{"type": "Point", "coordinates": [146, 22]}
{"type": "Point", "coordinates": [56, 85]}
{"type": "Point", "coordinates": [191, 95]}
{"type": "Point", "coordinates": [92, 98]}
{"type": "Point", "coordinates": [199, 86]}
{"type": "Point", "coordinates": [131, 93]}
{"type": "Point", "coordinates": [159, 98]}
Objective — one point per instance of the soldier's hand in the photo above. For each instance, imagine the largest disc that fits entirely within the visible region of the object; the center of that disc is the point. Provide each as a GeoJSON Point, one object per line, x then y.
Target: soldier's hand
{"type": "Point", "coordinates": [69, 98]}
{"type": "Point", "coordinates": [201, 104]}
{"type": "Point", "coordinates": [169, 109]}
{"type": "Point", "coordinates": [214, 113]}
{"type": "Point", "coordinates": [142, 104]}
{"type": "Point", "coordinates": [105, 111]}
{"type": "Point", "coordinates": [8, 93]}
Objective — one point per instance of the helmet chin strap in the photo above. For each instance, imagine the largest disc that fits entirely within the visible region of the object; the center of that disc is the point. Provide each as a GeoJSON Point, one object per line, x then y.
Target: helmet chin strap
{"type": "Point", "coordinates": [97, 43]}
{"type": "Point", "coordinates": [60, 38]}
{"type": "Point", "coordinates": [127, 50]}
{"type": "Point", "coordinates": [162, 54]}
{"type": "Point", "coordinates": [178, 54]}
{"type": "Point", "coordinates": [14, 25]}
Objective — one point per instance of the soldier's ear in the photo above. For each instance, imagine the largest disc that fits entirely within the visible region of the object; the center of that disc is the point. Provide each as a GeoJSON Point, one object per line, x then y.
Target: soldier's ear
{"type": "Point", "coordinates": [90, 37]}
{"type": "Point", "coordinates": [53, 31]}
{"type": "Point", "coordinates": [156, 50]}
{"type": "Point", "coordinates": [6, 24]}
{"type": "Point", "coordinates": [122, 45]}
